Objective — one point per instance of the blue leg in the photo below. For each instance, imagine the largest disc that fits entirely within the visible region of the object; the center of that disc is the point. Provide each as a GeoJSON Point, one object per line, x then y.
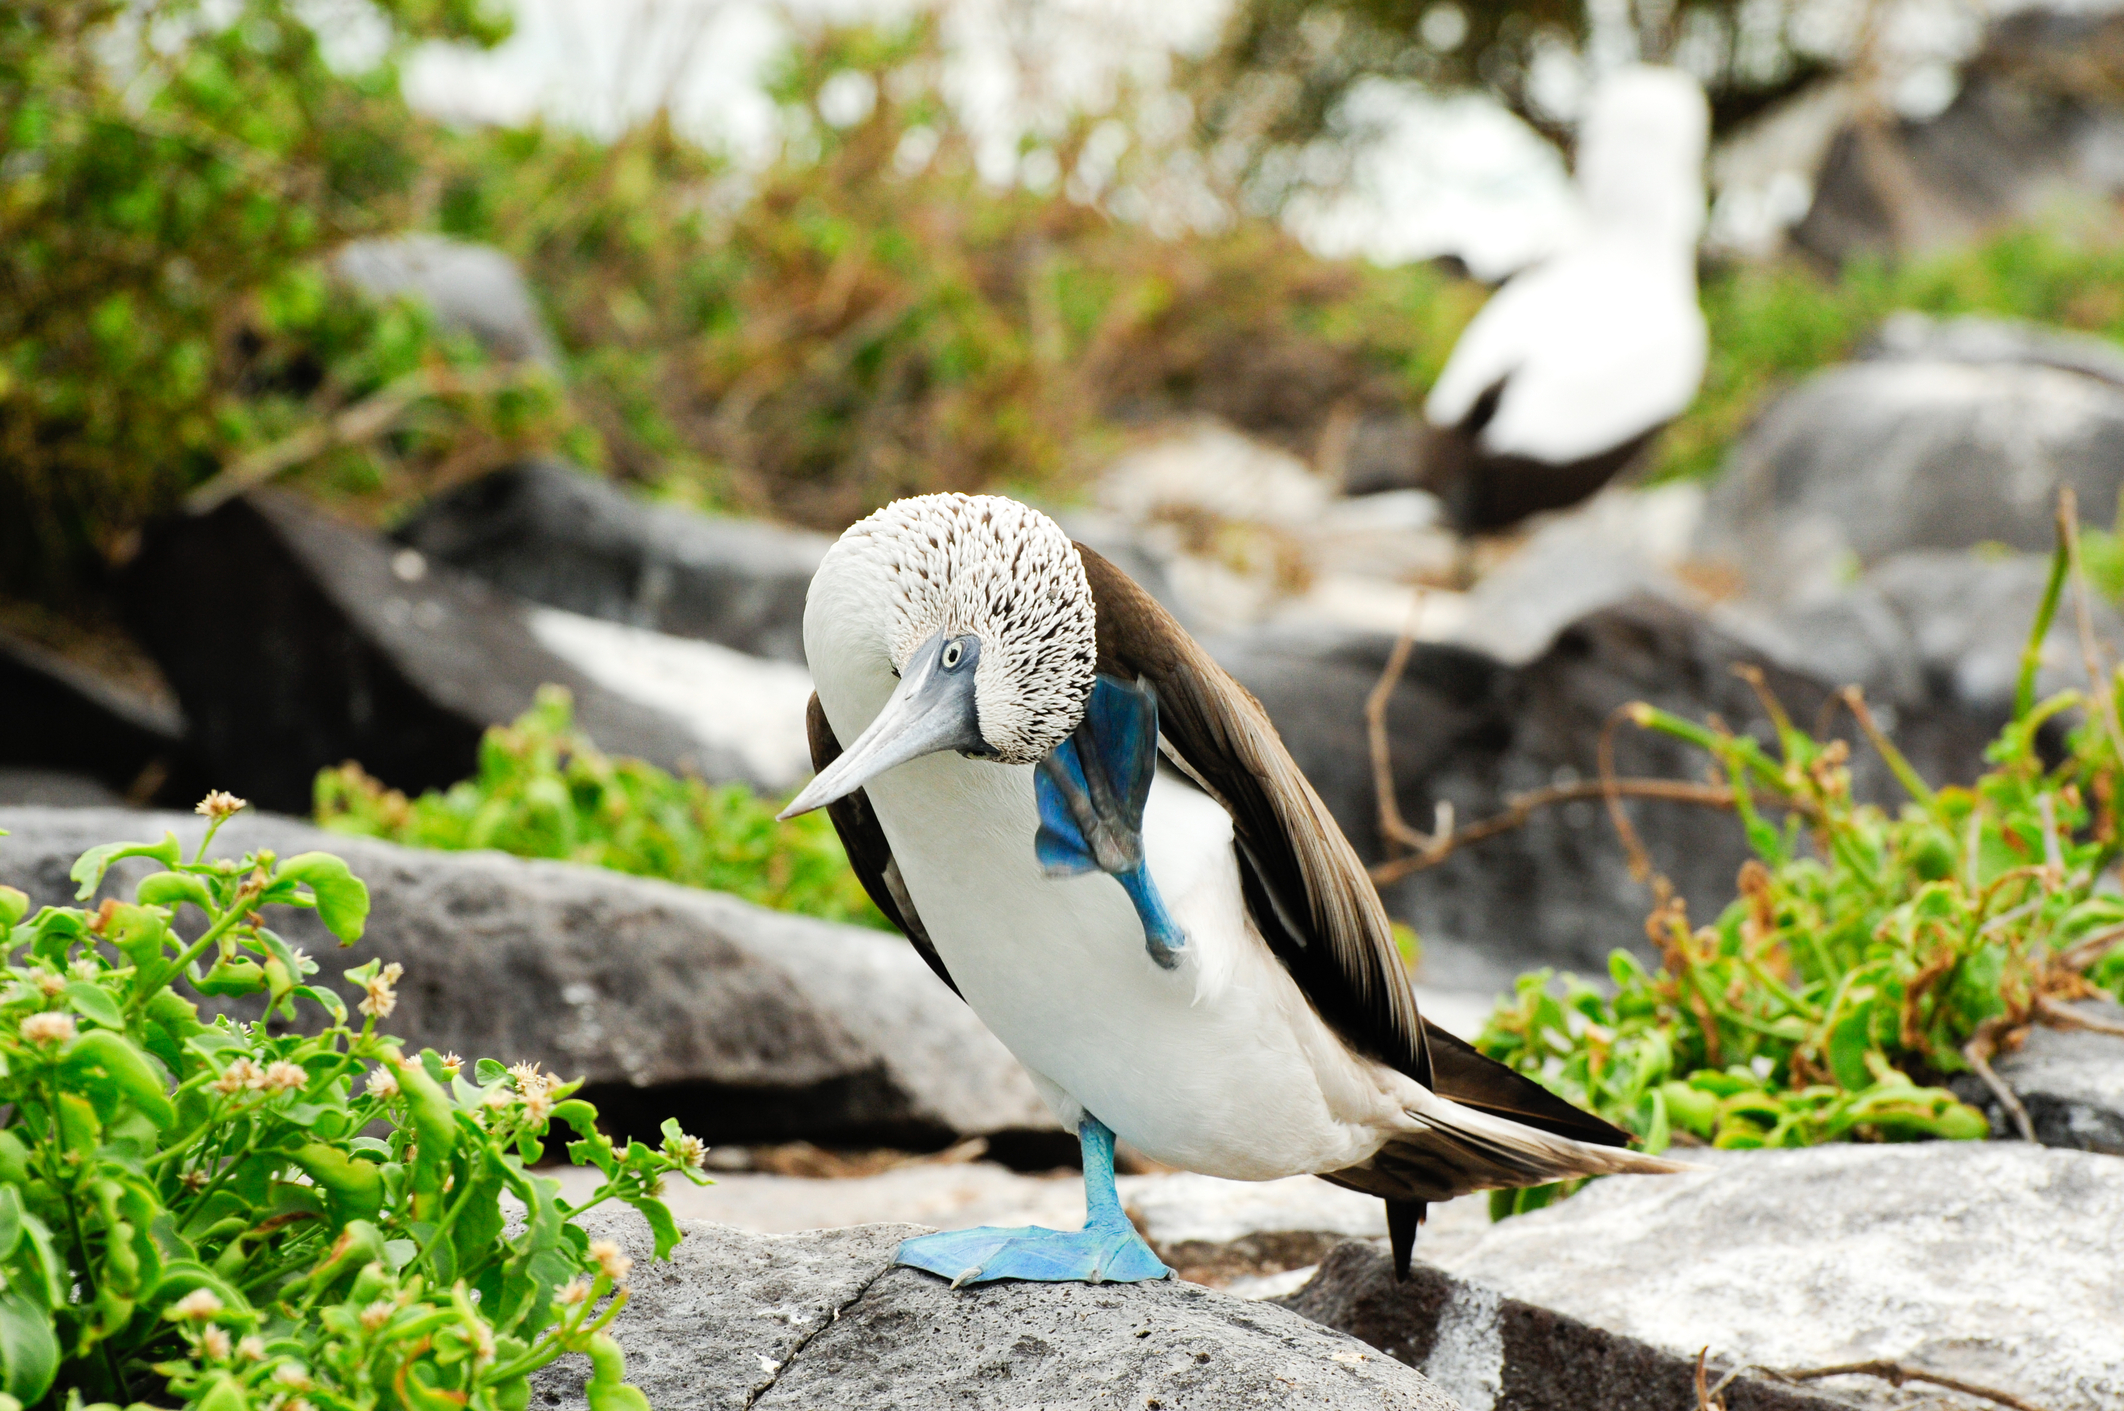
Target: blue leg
{"type": "Point", "coordinates": [1106, 1251]}
{"type": "Point", "coordinates": [1091, 790]}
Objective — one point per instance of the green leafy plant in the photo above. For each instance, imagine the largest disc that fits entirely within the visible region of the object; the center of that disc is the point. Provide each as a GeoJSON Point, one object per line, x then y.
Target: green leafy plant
{"type": "Point", "coordinates": [1869, 954]}
{"type": "Point", "coordinates": [544, 790]}
{"type": "Point", "coordinates": [195, 1211]}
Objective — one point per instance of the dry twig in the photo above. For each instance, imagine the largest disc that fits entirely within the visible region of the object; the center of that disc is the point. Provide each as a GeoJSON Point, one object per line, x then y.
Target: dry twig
{"type": "Point", "coordinates": [2098, 678]}
{"type": "Point", "coordinates": [1896, 1373]}
{"type": "Point", "coordinates": [2058, 1016]}
{"type": "Point", "coordinates": [1520, 807]}
{"type": "Point", "coordinates": [1981, 1046]}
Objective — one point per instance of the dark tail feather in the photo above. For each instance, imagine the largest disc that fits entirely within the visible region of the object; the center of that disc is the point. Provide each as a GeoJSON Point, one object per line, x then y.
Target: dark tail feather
{"type": "Point", "coordinates": [1403, 1216]}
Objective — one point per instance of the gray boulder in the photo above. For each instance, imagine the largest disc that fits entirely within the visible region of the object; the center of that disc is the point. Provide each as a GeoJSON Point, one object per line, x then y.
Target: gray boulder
{"type": "Point", "coordinates": [558, 536]}
{"type": "Point", "coordinates": [1867, 460]}
{"type": "Point", "coordinates": [2000, 1264]}
{"type": "Point", "coordinates": [472, 289]}
{"type": "Point", "coordinates": [59, 719]}
{"type": "Point", "coordinates": [746, 1024]}
{"type": "Point", "coordinates": [2035, 127]}
{"type": "Point", "coordinates": [2070, 1081]}
{"type": "Point", "coordinates": [1468, 731]}
{"type": "Point", "coordinates": [821, 1320]}
{"type": "Point", "coordinates": [1494, 1353]}
{"type": "Point", "coordinates": [295, 642]}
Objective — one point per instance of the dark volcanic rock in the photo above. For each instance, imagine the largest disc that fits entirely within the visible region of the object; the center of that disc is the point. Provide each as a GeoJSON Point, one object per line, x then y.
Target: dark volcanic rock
{"type": "Point", "coordinates": [1469, 732]}
{"type": "Point", "coordinates": [746, 1024]}
{"type": "Point", "coordinates": [1998, 1263]}
{"type": "Point", "coordinates": [56, 717]}
{"type": "Point", "coordinates": [557, 536]}
{"type": "Point", "coordinates": [473, 288]}
{"type": "Point", "coordinates": [295, 643]}
{"type": "Point", "coordinates": [1492, 1353]}
{"type": "Point", "coordinates": [819, 1320]}
{"type": "Point", "coordinates": [2071, 1081]}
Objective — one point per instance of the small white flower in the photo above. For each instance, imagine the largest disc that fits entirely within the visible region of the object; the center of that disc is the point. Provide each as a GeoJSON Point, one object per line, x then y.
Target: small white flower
{"type": "Point", "coordinates": [571, 1293]}
{"type": "Point", "coordinates": [383, 1083]}
{"type": "Point", "coordinates": [220, 804]}
{"type": "Point", "coordinates": [382, 998]}
{"type": "Point", "coordinates": [251, 1349]}
{"type": "Point", "coordinates": [214, 1343]}
{"type": "Point", "coordinates": [610, 1262]}
{"type": "Point", "coordinates": [50, 1027]}
{"type": "Point", "coordinates": [292, 1374]}
{"type": "Point", "coordinates": [240, 1074]}
{"type": "Point", "coordinates": [451, 1063]}
{"type": "Point", "coordinates": [199, 1305]}
{"type": "Point", "coordinates": [377, 1314]}
{"type": "Point", "coordinates": [688, 1151]}
{"type": "Point", "coordinates": [50, 983]}
{"type": "Point", "coordinates": [282, 1075]}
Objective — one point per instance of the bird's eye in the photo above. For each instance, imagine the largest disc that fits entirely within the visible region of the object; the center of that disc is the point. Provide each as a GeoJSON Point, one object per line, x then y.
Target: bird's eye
{"type": "Point", "coordinates": [952, 652]}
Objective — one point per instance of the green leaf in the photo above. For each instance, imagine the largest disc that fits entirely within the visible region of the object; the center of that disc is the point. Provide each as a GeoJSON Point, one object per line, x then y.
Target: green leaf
{"type": "Point", "coordinates": [29, 1349]}
{"type": "Point", "coordinates": [342, 898]}
{"type": "Point", "coordinates": [132, 1072]}
{"type": "Point", "coordinates": [488, 1072]}
{"type": "Point", "coordinates": [172, 888]}
{"type": "Point", "coordinates": [91, 1001]}
{"type": "Point", "coordinates": [90, 866]}
{"type": "Point", "coordinates": [661, 1224]}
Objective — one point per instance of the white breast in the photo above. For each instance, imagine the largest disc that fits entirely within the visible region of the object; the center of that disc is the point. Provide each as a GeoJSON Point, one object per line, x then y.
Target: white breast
{"type": "Point", "coordinates": [1219, 1066]}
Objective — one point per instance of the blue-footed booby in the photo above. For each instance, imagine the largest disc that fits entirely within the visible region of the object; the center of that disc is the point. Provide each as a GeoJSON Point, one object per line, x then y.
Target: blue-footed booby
{"type": "Point", "coordinates": [1572, 368]}
{"type": "Point", "coordinates": [1095, 836]}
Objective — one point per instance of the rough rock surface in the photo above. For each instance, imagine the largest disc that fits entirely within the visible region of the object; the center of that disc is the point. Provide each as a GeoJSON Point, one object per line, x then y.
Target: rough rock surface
{"type": "Point", "coordinates": [555, 535]}
{"type": "Point", "coordinates": [1470, 732]}
{"type": "Point", "coordinates": [2071, 1081]}
{"type": "Point", "coordinates": [820, 1321]}
{"type": "Point", "coordinates": [746, 1024]}
{"type": "Point", "coordinates": [55, 716]}
{"type": "Point", "coordinates": [1998, 1263]}
{"type": "Point", "coordinates": [1871, 459]}
{"type": "Point", "coordinates": [295, 642]}
{"type": "Point", "coordinates": [471, 288]}
{"type": "Point", "coordinates": [1493, 1353]}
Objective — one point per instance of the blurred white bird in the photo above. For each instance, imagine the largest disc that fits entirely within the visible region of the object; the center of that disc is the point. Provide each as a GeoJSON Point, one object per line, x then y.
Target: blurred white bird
{"type": "Point", "coordinates": [1578, 362]}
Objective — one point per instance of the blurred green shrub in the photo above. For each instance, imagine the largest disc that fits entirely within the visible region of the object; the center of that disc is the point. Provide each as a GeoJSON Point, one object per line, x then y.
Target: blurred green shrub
{"type": "Point", "coordinates": [191, 1211]}
{"type": "Point", "coordinates": [170, 175]}
{"type": "Point", "coordinates": [544, 790]}
{"type": "Point", "coordinates": [1868, 955]}
{"type": "Point", "coordinates": [869, 317]}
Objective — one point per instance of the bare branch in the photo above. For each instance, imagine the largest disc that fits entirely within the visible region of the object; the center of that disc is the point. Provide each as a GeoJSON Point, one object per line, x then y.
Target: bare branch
{"type": "Point", "coordinates": [1896, 1373]}
{"type": "Point", "coordinates": [2098, 677]}
{"type": "Point", "coordinates": [1981, 1046]}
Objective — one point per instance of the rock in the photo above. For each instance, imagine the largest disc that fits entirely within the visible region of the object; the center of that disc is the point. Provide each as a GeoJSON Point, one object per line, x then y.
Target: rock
{"type": "Point", "coordinates": [58, 718]}
{"type": "Point", "coordinates": [54, 788]}
{"type": "Point", "coordinates": [473, 289]}
{"type": "Point", "coordinates": [746, 1024]}
{"type": "Point", "coordinates": [2000, 1263]}
{"type": "Point", "coordinates": [1470, 732]}
{"type": "Point", "coordinates": [1492, 1353]}
{"type": "Point", "coordinates": [1867, 460]}
{"type": "Point", "coordinates": [1240, 1235]}
{"type": "Point", "coordinates": [295, 643]}
{"type": "Point", "coordinates": [2035, 127]}
{"type": "Point", "coordinates": [2071, 1081]}
{"type": "Point", "coordinates": [561, 537]}
{"type": "Point", "coordinates": [1978, 340]}
{"type": "Point", "coordinates": [820, 1320]}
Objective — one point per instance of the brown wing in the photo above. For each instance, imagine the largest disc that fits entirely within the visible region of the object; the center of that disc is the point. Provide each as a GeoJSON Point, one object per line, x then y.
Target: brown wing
{"type": "Point", "coordinates": [1305, 888]}
{"type": "Point", "coordinates": [868, 851]}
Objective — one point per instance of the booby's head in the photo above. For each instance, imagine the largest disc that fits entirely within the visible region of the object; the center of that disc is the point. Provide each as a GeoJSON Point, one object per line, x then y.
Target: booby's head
{"type": "Point", "coordinates": [1640, 160]}
{"type": "Point", "coordinates": [979, 606]}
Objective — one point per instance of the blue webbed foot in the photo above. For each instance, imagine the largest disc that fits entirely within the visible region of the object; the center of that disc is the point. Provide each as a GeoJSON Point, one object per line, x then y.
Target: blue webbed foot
{"type": "Point", "coordinates": [1091, 790]}
{"type": "Point", "coordinates": [1106, 1251]}
{"type": "Point", "coordinates": [1091, 1256]}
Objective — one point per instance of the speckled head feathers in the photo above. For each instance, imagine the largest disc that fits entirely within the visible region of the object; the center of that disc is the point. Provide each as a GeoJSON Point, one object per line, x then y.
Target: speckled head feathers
{"type": "Point", "coordinates": [1007, 574]}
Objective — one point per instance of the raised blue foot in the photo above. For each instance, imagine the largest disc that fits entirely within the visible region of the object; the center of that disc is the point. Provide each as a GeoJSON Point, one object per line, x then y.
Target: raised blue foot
{"type": "Point", "coordinates": [1091, 790]}
{"type": "Point", "coordinates": [1106, 1251]}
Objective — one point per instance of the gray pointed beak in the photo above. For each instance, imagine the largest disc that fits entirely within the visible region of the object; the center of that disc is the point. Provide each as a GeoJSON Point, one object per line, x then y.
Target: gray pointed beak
{"type": "Point", "coordinates": [931, 710]}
